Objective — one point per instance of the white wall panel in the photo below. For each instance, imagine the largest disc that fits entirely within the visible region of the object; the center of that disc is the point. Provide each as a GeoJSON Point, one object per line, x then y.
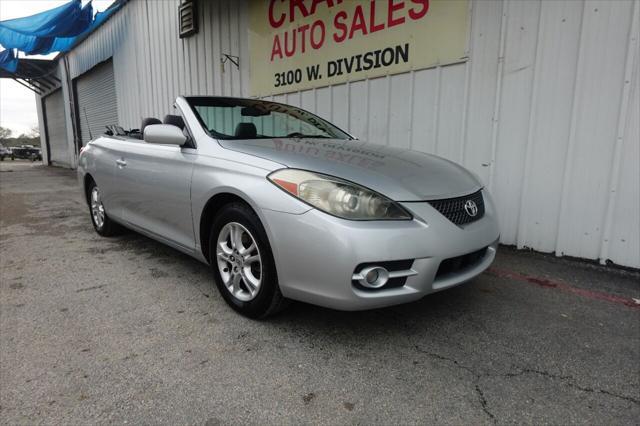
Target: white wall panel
{"type": "Point", "coordinates": [378, 110]}
{"type": "Point", "coordinates": [558, 39]}
{"type": "Point", "coordinates": [621, 241]}
{"type": "Point", "coordinates": [540, 111]}
{"type": "Point", "coordinates": [450, 109]}
{"type": "Point", "coordinates": [294, 99]}
{"type": "Point", "coordinates": [599, 85]}
{"type": "Point", "coordinates": [358, 109]}
{"type": "Point", "coordinates": [400, 108]}
{"type": "Point", "coordinates": [520, 47]}
{"type": "Point", "coordinates": [426, 85]}
{"type": "Point", "coordinates": [486, 23]}
{"type": "Point", "coordinates": [323, 102]}
{"type": "Point", "coordinates": [340, 105]}
{"type": "Point", "coordinates": [308, 100]}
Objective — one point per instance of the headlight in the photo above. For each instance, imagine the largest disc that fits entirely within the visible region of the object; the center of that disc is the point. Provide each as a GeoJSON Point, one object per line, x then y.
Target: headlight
{"type": "Point", "coordinates": [337, 197]}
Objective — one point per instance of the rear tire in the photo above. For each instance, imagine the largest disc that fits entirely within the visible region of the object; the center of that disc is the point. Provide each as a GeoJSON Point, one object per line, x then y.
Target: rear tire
{"type": "Point", "coordinates": [103, 225]}
{"type": "Point", "coordinates": [244, 271]}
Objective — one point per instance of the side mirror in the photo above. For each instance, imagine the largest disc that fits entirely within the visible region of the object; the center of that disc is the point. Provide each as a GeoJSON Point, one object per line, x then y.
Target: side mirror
{"type": "Point", "coordinates": [164, 134]}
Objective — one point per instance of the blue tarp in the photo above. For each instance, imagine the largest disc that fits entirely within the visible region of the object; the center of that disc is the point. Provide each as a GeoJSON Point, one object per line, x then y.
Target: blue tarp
{"type": "Point", "coordinates": [54, 30]}
{"type": "Point", "coordinates": [8, 61]}
{"type": "Point", "coordinates": [36, 34]}
{"type": "Point", "coordinates": [64, 44]}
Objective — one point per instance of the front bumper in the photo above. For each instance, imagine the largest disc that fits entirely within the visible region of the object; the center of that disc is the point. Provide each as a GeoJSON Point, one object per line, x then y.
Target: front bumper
{"type": "Point", "coordinates": [316, 254]}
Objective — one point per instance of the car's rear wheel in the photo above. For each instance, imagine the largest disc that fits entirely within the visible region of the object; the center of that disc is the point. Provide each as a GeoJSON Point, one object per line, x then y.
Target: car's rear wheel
{"type": "Point", "coordinates": [242, 262]}
{"type": "Point", "coordinates": [101, 221]}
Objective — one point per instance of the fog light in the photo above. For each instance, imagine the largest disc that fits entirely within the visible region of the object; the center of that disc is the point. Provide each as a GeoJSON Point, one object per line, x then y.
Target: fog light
{"type": "Point", "coordinates": [372, 277]}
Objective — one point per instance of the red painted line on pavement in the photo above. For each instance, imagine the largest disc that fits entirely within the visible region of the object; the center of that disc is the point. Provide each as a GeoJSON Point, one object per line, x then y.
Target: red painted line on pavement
{"type": "Point", "coordinates": [563, 286]}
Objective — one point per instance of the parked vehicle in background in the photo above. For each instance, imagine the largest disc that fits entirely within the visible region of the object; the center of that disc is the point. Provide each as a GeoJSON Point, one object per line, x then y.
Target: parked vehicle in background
{"type": "Point", "coordinates": [284, 205]}
{"type": "Point", "coordinates": [27, 152]}
{"type": "Point", "coordinates": [5, 153]}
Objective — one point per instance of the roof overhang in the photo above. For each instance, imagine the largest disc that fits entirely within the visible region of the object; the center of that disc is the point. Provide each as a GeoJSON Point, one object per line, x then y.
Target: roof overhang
{"type": "Point", "coordinates": [38, 75]}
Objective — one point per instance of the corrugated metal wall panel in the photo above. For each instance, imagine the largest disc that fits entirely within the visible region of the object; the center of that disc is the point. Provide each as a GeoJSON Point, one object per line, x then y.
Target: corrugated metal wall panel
{"type": "Point", "coordinates": [424, 114]}
{"type": "Point", "coordinates": [549, 129]}
{"type": "Point", "coordinates": [358, 111]}
{"type": "Point", "coordinates": [400, 94]}
{"type": "Point", "coordinates": [486, 24]}
{"type": "Point", "coordinates": [621, 242]}
{"type": "Point", "coordinates": [96, 96]}
{"type": "Point", "coordinates": [516, 93]}
{"type": "Point", "coordinates": [450, 113]}
{"type": "Point", "coordinates": [536, 112]}
{"type": "Point", "coordinates": [596, 107]}
{"type": "Point", "coordinates": [621, 226]}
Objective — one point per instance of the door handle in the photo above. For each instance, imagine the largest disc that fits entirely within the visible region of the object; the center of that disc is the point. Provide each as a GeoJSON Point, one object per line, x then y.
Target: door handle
{"type": "Point", "coordinates": [121, 163]}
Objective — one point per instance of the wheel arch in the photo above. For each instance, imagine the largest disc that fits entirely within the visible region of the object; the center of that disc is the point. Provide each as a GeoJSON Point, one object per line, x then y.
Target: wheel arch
{"type": "Point", "coordinates": [85, 185]}
{"type": "Point", "coordinates": [211, 208]}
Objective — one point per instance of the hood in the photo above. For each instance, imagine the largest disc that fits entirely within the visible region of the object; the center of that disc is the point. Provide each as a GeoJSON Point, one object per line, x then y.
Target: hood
{"type": "Point", "coordinates": [400, 174]}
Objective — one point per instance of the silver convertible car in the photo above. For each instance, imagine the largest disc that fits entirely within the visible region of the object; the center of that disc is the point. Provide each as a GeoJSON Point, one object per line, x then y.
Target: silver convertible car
{"type": "Point", "coordinates": [283, 206]}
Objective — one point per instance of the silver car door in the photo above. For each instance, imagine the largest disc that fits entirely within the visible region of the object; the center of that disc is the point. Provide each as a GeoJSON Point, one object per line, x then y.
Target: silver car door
{"type": "Point", "coordinates": [103, 167]}
{"type": "Point", "coordinates": [155, 183]}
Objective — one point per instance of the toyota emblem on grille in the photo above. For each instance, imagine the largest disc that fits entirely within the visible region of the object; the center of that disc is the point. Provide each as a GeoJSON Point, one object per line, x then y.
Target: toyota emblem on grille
{"type": "Point", "coordinates": [471, 208]}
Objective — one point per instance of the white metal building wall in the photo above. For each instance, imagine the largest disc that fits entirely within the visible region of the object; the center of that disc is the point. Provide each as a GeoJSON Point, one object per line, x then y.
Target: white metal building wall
{"type": "Point", "coordinates": [545, 111]}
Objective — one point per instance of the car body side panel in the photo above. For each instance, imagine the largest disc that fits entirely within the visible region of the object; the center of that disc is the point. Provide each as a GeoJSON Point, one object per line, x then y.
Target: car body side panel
{"type": "Point", "coordinates": [213, 176]}
{"type": "Point", "coordinates": [100, 163]}
{"type": "Point", "coordinates": [155, 189]}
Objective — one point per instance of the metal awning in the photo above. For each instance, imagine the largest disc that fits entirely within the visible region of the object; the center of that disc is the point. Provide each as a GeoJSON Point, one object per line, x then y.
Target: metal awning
{"type": "Point", "coordinates": [38, 75]}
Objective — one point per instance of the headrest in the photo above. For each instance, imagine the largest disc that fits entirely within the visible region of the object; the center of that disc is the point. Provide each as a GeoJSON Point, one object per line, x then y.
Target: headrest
{"type": "Point", "coordinates": [246, 131]}
{"type": "Point", "coordinates": [174, 120]}
{"type": "Point", "coordinates": [147, 122]}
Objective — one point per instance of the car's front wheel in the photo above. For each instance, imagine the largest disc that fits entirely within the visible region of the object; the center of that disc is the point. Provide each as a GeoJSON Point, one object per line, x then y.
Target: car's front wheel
{"type": "Point", "coordinates": [242, 262]}
{"type": "Point", "coordinates": [101, 221]}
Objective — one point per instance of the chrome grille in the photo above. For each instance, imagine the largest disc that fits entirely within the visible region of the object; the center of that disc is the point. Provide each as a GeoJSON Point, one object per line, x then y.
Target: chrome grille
{"type": "Point", "coordinates": [454, 208]}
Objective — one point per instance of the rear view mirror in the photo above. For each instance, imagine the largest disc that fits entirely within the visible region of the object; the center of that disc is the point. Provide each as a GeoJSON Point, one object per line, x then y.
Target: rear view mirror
{"type": "Point", "coordinates": [164, 134]}
{"type": "Point", "coordinates": [251, 111]}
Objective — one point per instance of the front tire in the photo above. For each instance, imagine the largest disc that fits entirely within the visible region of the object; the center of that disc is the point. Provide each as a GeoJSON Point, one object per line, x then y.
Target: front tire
{"type": "Point", "coordinates": [242, 262]}
{"type": "Point", "coordinates": [101, 222]}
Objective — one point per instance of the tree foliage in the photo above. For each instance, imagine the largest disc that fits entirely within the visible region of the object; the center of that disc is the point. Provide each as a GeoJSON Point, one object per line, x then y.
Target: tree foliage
{"type": "Point", "coordinates": [5, 133]}
{"type": "Point", "coordinates": [34, 132]}
{"type": "Point", "coordinates": [31, 138]}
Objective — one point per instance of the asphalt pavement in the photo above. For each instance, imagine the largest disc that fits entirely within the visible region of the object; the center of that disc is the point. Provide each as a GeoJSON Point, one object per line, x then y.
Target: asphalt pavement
{"type": "Point", "coordinates": [126, 330]}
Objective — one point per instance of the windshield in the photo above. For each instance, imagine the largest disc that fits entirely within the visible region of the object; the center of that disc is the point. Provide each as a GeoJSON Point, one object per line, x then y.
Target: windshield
{"type": "Point", "coordinates": [231, 118]}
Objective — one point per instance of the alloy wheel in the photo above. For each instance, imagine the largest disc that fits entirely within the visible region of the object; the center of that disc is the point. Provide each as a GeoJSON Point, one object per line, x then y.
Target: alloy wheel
{"type": "Point", "coordinates": [97, 208]}
{"type": "Point", "coordinates": [239, 261]}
